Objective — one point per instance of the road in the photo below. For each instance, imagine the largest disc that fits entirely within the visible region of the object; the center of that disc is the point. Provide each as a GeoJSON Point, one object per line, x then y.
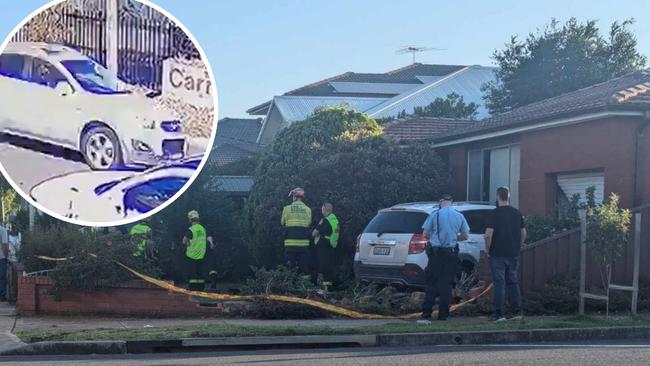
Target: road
{"type": "Point", "coordinates": [635, 353]}
{"type": "Point", "coordinates": [29, 162]}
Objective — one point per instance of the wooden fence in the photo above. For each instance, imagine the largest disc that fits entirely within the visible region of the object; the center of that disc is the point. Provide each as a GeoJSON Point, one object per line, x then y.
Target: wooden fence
{"type": "Point", "coordinates": [560, 255]}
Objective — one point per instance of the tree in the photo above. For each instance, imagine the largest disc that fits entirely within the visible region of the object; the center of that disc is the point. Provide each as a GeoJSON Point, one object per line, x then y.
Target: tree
{"type": "Point", "coordinates": [607, 234]}
{"type": "Point", "coordinates": [453, 106]}
{"type": "Point", "coordinates": [558, 60]}
{"type": "Point", "coordinates": [337, 155]}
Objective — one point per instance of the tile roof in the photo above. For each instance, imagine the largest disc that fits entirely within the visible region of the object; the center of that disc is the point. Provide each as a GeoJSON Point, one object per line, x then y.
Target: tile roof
{"type": "Point", "coordinates": [422, 128]}
{"type": "Point", "coordinates": [631, 91]}
{"type": "Point", "coordinates": [230, 153]}
{"type": "Point", "coordinates": [404, 75]}
{"type": "Point", "coordinates": [237, 130]}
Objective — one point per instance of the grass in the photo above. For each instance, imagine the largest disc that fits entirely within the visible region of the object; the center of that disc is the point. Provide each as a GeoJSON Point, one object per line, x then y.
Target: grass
{"type": "Point", "coordinates": [228, 330]}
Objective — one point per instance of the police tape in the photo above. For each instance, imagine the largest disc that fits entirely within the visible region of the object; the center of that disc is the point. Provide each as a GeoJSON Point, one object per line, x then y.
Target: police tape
{"type": "Point", "coordinates": [280, 298]}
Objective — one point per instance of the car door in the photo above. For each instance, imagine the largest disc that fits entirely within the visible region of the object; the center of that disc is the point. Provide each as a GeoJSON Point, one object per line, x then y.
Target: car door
{"type": "Point", "coordinates": [54, 120]}
{"type": "Point", "coordinates": [477, 221]}
{"type": "Point", "coordinates": [14, 91]}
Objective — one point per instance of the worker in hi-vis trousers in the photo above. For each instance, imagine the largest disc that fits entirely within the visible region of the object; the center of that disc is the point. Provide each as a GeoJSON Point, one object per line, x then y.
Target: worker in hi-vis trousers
{"type": "Point", "coordinates": [296, 219]}
{"type": "Point", "coordinates": [196, 240]}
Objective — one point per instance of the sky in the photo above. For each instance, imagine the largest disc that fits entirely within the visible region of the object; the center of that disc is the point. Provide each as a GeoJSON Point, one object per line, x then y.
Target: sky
{"type": "Point", "coordinates": [262, 48]}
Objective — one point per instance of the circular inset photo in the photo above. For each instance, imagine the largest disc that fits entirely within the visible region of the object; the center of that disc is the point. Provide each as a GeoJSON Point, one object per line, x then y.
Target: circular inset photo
{"type": "Point", "coordinates": [107, 110]}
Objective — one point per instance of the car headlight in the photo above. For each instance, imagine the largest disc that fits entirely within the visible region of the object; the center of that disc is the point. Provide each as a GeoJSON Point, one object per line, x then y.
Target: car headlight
{"type": "Point", "coordinates": [140, 146]}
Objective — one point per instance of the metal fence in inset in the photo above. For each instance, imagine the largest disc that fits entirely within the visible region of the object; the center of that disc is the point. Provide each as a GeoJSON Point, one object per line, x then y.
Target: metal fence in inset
{"type": "Point", "coordinates": [143, 42]}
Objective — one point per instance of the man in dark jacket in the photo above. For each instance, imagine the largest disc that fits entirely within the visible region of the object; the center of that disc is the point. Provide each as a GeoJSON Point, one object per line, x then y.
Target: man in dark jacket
{"type": "Point", "coordinates": [504, 234]}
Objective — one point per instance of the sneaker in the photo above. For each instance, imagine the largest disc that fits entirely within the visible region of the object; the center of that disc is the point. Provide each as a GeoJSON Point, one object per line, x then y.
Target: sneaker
{"type": "Point", "coordinates": [498, 318]}
{"type": "Point", "coordinates": [517, 317]}
{"type": "Point", "coordinates": [424, 319]}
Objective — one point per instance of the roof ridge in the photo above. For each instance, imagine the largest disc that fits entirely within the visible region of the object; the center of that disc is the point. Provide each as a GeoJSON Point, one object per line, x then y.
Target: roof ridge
{"type": "Point", "coordinates": [320, 82]}
{"type": "Point", "coordinates": [622, 96]}
{"type": "Point", "coordinates": [403, 68]}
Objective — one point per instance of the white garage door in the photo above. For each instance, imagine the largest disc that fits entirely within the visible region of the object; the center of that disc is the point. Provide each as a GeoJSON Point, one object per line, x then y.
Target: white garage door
{"type": "Point", "coordinates": [578, 183]}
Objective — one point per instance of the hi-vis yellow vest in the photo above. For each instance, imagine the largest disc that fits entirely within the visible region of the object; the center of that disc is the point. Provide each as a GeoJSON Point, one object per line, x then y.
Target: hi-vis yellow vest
{"type": "Point", "coordinates": [140, 231]}
{"type": "Point", "coordinates": [334, 224]}
{"type": "Point", "coordinates": [296, 218]}
{"type": "Point", "coordinates": [197, 247]}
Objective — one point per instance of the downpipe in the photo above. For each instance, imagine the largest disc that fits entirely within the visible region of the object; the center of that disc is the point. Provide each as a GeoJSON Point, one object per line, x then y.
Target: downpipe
{"type": "Point", "coordinates": [640, 132]}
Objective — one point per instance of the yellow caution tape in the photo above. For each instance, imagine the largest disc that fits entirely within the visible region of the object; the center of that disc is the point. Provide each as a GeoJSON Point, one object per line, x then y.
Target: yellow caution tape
{"type": "Point", "coordinates": [282, 298]}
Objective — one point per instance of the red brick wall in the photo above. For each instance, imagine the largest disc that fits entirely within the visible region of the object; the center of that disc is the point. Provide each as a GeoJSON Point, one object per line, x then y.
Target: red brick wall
{"type": "Point", "coordinates": [34, 298]}
{"type": "Point", "coordinates": [606, 144]}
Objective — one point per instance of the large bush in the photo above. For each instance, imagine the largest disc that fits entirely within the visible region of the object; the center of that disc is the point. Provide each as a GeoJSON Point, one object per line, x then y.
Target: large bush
{"type": "Point", "coordinates": [91, 257]}
{"type": "Point", "coordinates": [337, 155]}
{"type": "Point", "coordinates": [220, 214]}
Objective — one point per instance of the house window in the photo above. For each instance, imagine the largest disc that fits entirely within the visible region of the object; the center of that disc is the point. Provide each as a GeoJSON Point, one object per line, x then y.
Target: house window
{"type": "Point", "coordinates": [489, 169]}
{"type": "Point", "coordinates": [570, 184]}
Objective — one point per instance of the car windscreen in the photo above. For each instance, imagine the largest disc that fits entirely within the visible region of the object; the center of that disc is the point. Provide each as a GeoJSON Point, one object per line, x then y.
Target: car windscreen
{"type": "Point", "coordinates": [93, 77]}
{"type": "Point", "coordinates": [146, 196]}
{"type": "Point", "coordinates": [477, 220]}
{"type": "Point", "coordinates": [397, 222]}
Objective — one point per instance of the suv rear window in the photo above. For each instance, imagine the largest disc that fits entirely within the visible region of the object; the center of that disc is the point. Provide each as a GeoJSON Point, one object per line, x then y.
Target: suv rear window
{"type": "Point", "coordinates": [397, 222]}
{"type": "Point", "coordinates": [477, 220]}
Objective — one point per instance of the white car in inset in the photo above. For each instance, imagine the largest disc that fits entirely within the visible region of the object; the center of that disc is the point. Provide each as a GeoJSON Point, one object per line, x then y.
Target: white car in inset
{"type": "Point", "coordinates": [110, 196]}
{"type": "Point", "coordinates": [55, 94]}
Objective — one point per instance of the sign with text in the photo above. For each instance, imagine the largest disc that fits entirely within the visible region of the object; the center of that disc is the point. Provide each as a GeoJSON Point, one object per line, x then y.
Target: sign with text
{"type": "Point", "coordinates": [188, 81]}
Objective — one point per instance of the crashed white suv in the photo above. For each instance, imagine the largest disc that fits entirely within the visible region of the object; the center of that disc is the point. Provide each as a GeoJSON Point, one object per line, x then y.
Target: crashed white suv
{"type": "Point", "coordinates": [391, 249]}
{"type": "Point", "coordinates": [57, 95]}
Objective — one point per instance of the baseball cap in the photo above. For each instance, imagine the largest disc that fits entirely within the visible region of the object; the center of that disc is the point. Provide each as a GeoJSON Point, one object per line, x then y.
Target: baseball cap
{"type": "Point", "coordinates": [446, 197]}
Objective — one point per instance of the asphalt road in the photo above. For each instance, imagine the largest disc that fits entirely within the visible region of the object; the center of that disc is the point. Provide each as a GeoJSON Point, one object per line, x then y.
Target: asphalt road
{"type": "Point", "coordinates": [634, 353]}
{"type": "Point", "coordinates": [30, 162]}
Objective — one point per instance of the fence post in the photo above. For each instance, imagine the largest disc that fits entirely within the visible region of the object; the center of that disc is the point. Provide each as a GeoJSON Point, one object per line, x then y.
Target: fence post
{"type": "Point", "coordinates": [112, 15]}
{"type": "Point", "coordinates": [637, 255]}
{"type": "Point", "coordinates": [583, 259]}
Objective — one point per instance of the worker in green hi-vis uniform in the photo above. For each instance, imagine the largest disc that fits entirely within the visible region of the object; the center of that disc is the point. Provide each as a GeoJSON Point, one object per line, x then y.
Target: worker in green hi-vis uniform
{"type": "Point", "coordinates": [142, 235]}
{"type": "Point", "coordinates": [196, 241]}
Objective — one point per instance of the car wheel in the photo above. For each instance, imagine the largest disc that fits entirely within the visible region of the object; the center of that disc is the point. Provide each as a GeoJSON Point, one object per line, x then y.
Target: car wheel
{"type": "Point", "coordinates": [101, 148]}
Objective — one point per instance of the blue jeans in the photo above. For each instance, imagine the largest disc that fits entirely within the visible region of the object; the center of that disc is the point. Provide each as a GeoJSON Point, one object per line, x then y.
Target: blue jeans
{"type": "Point", "coordinates": [3, 279]}
{"type": "Point", "coordinates": [504, 273]}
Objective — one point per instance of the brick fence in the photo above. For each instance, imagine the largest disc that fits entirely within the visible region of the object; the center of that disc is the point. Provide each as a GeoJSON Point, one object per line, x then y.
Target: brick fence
{"type": "Point", "coordinates": [135, 298]}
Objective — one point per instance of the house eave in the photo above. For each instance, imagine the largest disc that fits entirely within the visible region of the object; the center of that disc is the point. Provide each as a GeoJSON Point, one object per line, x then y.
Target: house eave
{"type": "Point", "coordinates": [539, 126]}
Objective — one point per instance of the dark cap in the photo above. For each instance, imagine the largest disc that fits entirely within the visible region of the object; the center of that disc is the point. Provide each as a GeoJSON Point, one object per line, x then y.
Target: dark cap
{"type": "Point", "coordinates": [446, 197]}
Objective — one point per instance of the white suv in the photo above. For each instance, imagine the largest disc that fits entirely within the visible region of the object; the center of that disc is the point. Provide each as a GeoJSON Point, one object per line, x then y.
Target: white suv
{"type": "Point", "coordinates": [391, 249]}
{"type": "Point", "coordinates": [57, 95]}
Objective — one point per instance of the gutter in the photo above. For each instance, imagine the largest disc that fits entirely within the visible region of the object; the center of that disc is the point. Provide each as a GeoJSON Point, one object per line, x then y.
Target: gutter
{"type": "Point", "coordinates": [640, 131]}
{"type": "Point", "coordinates": [536, 126]}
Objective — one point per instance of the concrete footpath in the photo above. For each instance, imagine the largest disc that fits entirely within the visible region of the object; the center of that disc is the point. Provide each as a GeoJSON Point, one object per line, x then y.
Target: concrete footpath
{"type": "Point", "coordinates": [10, 345]}
{"type": "Point", "coordinates": [8, 341]}
{"type": "Point", "coordinates": [533, 336]}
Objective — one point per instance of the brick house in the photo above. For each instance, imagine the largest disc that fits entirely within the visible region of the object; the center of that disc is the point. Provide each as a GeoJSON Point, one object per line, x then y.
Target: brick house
{"type": "Point", "coordinates": [549, 150]}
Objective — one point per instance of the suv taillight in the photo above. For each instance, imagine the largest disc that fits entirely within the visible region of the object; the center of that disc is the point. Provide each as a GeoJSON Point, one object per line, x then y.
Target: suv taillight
{"type": "Point", "coordinates": [357, 244]}
{"type": "Point", "coordinates": [417, 244]}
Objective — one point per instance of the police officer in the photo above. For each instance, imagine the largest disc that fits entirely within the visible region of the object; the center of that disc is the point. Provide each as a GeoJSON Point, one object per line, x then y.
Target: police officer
{"type": "Point", "coordinates": [443, 229]}
{"type": "Point", "coordinates": [326, 238]}
{"type": "Point", "coordinates": [296, 219]}
{"type": "Point", "coordinates": [141, 233]}
{"type": "Point", "coordinates": [196, 240]}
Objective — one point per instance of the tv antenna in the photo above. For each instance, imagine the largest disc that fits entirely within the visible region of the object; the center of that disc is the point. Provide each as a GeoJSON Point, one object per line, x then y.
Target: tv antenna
{"type": "Point", "coordinates": [416, 49]}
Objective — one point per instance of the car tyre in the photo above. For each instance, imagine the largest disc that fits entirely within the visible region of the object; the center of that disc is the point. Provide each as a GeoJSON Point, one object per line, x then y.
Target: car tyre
{"type": "Point", "coordinates": [101, 148]}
